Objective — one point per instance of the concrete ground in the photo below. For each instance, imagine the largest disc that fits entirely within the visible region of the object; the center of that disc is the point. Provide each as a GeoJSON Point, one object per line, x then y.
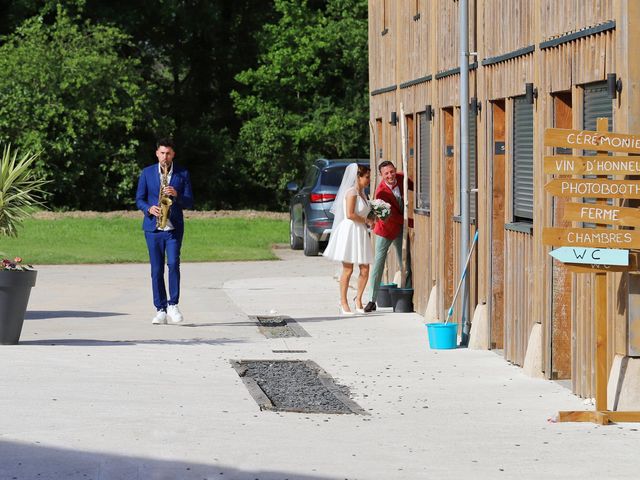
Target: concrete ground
{"type": "Point", "coordinates": [94, 391]}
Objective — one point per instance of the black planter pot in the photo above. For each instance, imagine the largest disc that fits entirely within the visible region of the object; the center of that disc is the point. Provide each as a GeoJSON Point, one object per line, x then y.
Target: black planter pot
{"type": "Point", "coordinates": [383, 299]}
{"type": "Point", "coordinates": [15, 288]}
{"type": "Point", "coordinates": [402, 299]}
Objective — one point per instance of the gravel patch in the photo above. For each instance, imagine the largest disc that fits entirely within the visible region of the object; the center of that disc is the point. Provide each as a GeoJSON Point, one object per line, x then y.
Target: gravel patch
{"type": "Point", "coordinates": [187, 214]}
{"type": "Point", "coordinates": [294, 386]}
{"type": "Point", "coordinates": [279, 327]}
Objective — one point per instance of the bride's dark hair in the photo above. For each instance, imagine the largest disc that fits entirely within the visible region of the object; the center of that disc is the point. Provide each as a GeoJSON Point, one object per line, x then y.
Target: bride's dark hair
{"type": "Point", "coordinates": [363, 170]}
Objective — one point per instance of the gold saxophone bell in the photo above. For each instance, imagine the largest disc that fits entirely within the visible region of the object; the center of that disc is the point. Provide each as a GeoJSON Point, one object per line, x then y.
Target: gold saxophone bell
{"type": "Point", "coordinates": [164, 201]}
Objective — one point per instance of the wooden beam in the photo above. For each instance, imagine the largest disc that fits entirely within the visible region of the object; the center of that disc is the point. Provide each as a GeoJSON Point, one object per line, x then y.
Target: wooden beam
{"type": "Point", "coordinates": [608, 214]}
{"type": "Point", "coordinates": [591, 237]}
{"type": "Point", "coordinates": [588, 140]}
{"type": "Point", "coordinates": [576, 165]}
{"type": "Point", "coordinates": [593, 188]}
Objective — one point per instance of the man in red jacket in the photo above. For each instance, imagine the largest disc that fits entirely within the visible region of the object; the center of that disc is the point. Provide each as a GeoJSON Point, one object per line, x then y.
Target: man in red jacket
{"type": "Point", "coordinates": [388, 231]}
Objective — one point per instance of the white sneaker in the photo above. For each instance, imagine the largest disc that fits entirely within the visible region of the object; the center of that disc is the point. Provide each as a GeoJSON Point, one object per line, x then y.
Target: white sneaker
{"type": "Point", "coordinates": [175, 316]}
{"type": "Point", "coordinates": [160, 318]}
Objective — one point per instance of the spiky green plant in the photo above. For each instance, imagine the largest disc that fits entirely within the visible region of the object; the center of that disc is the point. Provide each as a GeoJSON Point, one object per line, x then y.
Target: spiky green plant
{"type": "Point", "coordinates": [21, 189]}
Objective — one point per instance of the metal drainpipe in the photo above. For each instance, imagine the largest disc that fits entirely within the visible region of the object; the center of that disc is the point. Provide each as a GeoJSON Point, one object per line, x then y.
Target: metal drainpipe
{"type": "Point", "coordinates": [464, 161]}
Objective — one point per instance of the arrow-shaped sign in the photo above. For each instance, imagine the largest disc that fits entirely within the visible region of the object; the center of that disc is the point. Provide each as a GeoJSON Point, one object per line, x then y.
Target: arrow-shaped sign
{"type": "Point", "coordinates": [593, 256]}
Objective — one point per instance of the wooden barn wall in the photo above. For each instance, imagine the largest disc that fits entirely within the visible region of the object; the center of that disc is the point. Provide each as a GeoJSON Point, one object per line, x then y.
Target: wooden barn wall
{"type": "Point", "coordinates": [562, 16]}
{"type": "Point", "coordinates": [446, 28]}
{"type": "Point", "coordinates": [518, 279]}
{"type": "Point", "coordinates": [518, 15]}
{"type": "Point", "coordinates": [507, 79]}
{"type": "Point", "coordinates": [415, 48]}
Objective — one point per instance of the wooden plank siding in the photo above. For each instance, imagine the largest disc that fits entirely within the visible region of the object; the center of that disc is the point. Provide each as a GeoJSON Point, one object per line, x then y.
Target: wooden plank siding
{"type": "Point", "coordinates": [414, 62]}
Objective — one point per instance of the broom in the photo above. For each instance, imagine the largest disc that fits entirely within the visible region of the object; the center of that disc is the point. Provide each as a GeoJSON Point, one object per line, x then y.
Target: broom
{"type": "Point", "coordinates": [464, 274]}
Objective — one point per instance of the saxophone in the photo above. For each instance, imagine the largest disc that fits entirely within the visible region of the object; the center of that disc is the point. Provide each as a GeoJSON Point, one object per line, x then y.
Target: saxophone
{"type": "Point", "coordinates": [164, 201]}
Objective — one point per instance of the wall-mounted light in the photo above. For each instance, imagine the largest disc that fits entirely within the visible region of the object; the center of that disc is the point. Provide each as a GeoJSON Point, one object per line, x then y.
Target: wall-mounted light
{"type": "Point", "coordinates": [393, 119]}
{"type": "Point", "coordinates": [530, 92]}
{"type": "Point", "coordinates": [475, 106]}
{"type": "Point", "coordinates": [428, 113]}
{"type": "Point", "coordinates": [614, 86]}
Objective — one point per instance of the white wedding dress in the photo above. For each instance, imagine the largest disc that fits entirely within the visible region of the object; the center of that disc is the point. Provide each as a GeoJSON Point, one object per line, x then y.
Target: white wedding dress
{"type": "Point", "coordinates": [349, 241]}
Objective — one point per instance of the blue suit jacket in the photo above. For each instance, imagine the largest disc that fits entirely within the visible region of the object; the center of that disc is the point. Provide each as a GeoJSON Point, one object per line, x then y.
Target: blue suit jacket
{"type": "Point", "coordinates": [149, 189]}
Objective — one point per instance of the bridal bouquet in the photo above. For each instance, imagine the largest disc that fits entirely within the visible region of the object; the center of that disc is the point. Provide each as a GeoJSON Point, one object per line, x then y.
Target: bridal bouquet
{"type": "Point", "coordinates": [380, 208]}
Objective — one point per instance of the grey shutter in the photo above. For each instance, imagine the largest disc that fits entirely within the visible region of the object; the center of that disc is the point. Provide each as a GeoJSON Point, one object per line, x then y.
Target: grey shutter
{"type": "Point", "coordinates": [473, 174]}
{"type": "Point", "coordinates": [424, 183]}
{"type": "Point", "coordinates": [596, 103]}
{"type": "Point", "coordinates": [522, 159]}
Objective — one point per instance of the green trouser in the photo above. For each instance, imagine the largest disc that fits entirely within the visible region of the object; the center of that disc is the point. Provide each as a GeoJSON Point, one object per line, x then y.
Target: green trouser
{"type": "Point", "coordinates": [381, 250]}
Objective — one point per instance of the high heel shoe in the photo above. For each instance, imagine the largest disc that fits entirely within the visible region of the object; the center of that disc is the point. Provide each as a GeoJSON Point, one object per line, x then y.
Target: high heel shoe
{"type": "Point", "coordinates": [343, 311]}
{"type": "Point", "coordinates": [358, 310]}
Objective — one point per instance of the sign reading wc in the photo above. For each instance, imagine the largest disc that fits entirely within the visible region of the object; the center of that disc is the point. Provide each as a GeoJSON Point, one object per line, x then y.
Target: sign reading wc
{"type": "Point", "coordinates": [593, 256]}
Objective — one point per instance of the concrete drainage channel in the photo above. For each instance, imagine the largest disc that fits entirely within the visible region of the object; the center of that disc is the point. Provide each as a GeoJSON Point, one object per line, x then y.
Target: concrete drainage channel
{"type": "Point", "coordinates": [279, 326]}
{"type": "Point", "coordinates": [294, 386]}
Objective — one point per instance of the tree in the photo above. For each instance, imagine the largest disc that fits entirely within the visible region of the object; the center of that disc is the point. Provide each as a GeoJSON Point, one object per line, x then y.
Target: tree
{"type": "Point", "coordinates": [70, 90]}
{"type": "Point", "coordinates": [191, 51]}
{"type": "Point", "coordinates": [308, 96]}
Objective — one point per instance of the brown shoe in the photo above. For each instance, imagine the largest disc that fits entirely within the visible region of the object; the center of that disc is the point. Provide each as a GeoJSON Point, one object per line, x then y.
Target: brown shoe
{"type": "Point", "coordinates": [370, 307]}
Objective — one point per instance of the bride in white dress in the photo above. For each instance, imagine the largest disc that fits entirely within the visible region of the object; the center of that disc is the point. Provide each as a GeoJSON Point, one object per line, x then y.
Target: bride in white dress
{"type": "Point", "coordinates": [349, 242]}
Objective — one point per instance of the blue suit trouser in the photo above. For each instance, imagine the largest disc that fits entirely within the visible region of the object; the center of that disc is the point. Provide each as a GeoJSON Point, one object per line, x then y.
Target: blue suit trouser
{"type": "Point", "coordinates": [163, 245]}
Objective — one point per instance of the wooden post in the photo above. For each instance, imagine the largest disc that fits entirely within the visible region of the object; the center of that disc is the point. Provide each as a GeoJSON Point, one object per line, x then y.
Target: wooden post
{"type": "Point", "coordinates": [601, 341]}
{"type": "Point", "coordinates": [405, 199]}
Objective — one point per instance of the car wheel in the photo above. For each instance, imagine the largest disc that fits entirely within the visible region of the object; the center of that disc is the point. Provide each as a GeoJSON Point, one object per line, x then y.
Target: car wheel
{"type": "Point", "coordinates": [295, 242]}
{"type": "Point", "coordinates": [311, 244]}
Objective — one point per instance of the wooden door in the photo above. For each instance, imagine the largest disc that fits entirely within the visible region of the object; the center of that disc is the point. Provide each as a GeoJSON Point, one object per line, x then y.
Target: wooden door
{"type": "Point", "coordinates": [497, 224]}
{"type": "Point", "coordinates": [449, 171]}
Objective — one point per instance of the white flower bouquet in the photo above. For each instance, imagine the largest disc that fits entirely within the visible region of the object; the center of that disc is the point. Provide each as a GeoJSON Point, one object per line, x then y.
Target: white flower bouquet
{"type": "Point", "coordinates": [380, 208]}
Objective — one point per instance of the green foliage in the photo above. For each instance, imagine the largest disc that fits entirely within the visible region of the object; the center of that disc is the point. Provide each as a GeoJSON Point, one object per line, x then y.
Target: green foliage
{"type": "Point", "coordinates": [120, 239]}
{"type": "Point", "coordinates": [20, 190]}
{"type": "Point", "coordinates": [68, 90]}
{"type": "Point", "coordinates": [308, 96]}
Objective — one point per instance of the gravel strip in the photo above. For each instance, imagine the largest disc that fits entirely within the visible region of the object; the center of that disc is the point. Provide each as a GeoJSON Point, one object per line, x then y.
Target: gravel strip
{"type": "Point", "coordinates": [279, 327]}
{"type": "Point", "coordinates": [297, 386]}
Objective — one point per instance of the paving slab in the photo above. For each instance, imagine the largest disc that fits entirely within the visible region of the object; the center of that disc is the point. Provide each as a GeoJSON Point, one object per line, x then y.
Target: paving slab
{"type": "Point", "coordinates": [94, 391]}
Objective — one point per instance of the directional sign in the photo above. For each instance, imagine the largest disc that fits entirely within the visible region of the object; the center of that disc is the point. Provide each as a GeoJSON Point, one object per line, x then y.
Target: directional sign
{"type": "Point", "coordinates": [607, 214]}
{"type": "Point", "coordinates": [590, 237]}
{"type": "Point", "coordinates": [595, 256]}
{"type": "Point", "coordinates": [593, 188]}
{"type": "Point", "coordinates": [569, 165]}
{"type": "Point", "coordinates": [587, 140]}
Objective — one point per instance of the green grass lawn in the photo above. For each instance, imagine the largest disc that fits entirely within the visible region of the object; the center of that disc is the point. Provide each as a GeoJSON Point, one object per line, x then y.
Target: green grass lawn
{"type": "Point", "coordinates": [120, 240]}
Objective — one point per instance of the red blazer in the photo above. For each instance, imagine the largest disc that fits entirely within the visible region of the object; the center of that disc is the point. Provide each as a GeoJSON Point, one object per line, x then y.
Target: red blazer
{"type": "Point", "coordinates": [391, 227]}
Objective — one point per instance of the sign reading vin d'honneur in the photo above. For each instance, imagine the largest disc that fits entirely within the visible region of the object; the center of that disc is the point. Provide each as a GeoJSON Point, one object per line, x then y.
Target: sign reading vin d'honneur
{"type": "Point", "coordinates": [602, 164]}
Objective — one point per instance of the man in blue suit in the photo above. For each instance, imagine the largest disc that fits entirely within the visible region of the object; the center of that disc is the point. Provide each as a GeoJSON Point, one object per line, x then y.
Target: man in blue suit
{"type": "Point", "coordinates": [164, 242]}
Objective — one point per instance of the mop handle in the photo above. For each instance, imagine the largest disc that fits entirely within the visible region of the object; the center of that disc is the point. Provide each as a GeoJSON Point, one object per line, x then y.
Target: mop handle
{"type": "Point", "coordinates": [464, 274]}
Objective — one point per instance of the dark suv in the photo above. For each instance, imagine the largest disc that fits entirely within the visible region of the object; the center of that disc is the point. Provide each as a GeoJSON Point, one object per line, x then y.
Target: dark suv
{"type": "Point", "coordinates": [310, 217]}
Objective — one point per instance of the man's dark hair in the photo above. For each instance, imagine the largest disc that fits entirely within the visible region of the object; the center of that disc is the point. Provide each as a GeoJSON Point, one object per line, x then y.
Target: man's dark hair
{"type": "Point", "coordinates": [165, 142]}
{"type": "Point", "coordinates": [386, 163]}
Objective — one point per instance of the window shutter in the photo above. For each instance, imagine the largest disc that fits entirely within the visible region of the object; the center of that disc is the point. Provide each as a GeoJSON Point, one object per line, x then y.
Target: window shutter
{"type": "Point", "coordinates": [473, 174]}
{"type": "Point", "coordinates": [523, 159]}
{"type": "Point", "coordinates": [424, 184]}
{"type": "Point", "coordinates": [596, 103]}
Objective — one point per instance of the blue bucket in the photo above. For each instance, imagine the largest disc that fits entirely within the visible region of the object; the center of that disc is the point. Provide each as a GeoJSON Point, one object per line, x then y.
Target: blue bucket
{"type": "Point", "coordinates": [442, 336]}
